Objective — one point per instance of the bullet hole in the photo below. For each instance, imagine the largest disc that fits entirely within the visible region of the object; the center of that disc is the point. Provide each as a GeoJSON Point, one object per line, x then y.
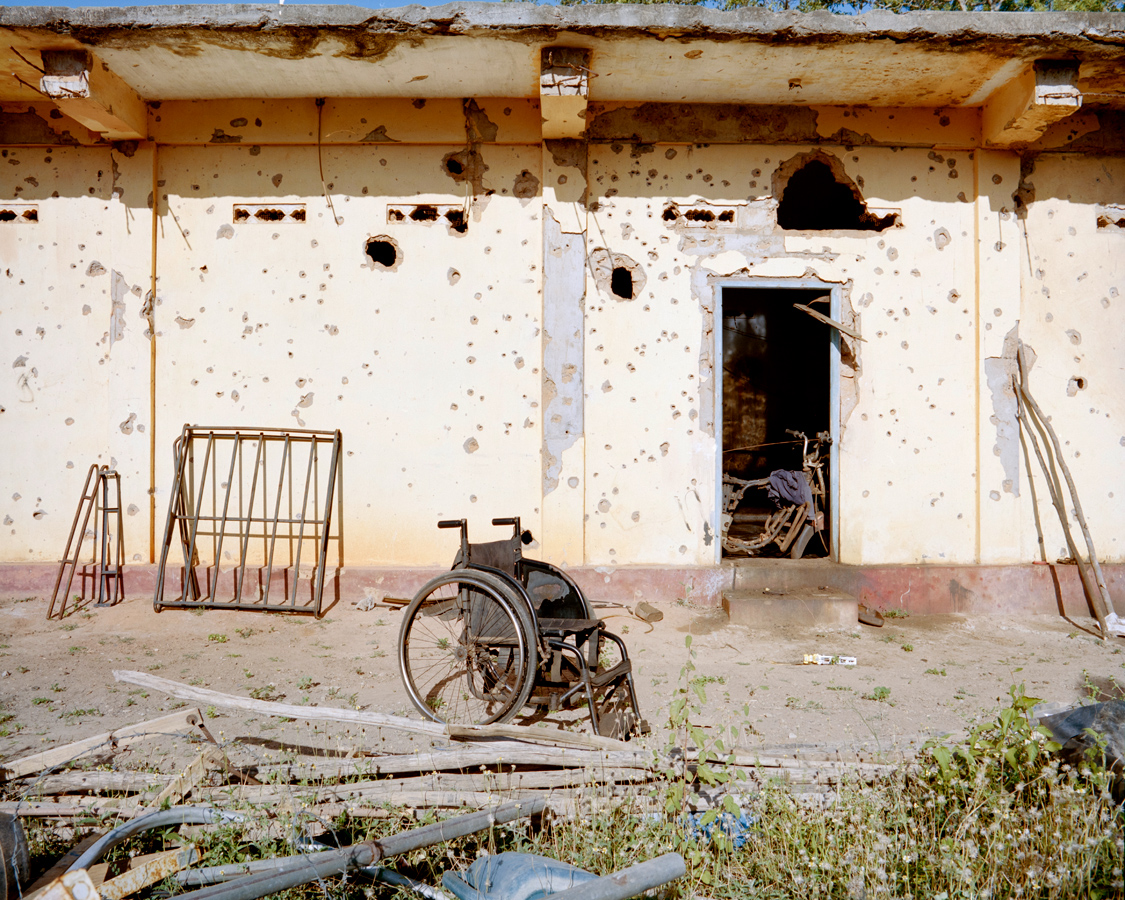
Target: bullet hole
{"type": "Point", "coordinates": [471, 445]}
{"type": "Point", "coordinates": [1075, 337]}
{"type": "Point", "coordinates": [525, 186]}
{"type": "Point", "coordinates": [277, 180]}
{"type": "Point", "coordinates": [383, 252]}
{"type": "Point", "coordinates": [453, 275]}
{"type": "Point", "coordinates": [94, 269]}
{"type": "Point", "coordinates": [817, 195]}
{"type": "Point", "coordinates": [454, 166]}
{"type": "Point", "coordinates": [1076, 384]}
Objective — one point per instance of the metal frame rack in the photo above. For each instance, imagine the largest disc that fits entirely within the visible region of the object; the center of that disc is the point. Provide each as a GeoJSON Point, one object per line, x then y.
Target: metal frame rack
{"type": "Point", "coordinates": [252, 490]}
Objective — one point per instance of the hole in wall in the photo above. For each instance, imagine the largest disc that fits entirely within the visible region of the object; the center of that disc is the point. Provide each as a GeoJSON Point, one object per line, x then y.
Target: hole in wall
{"type": "Point", "coordinates": [456, 219]}
{"type": "Point", "coordinates": [816, 194]}
{"type": "Point", "coordinates": [383, 251]}
{"type": "Point", "coordinates": [621, 283]}
{"type": "Point", "coordinates": [454, 167]}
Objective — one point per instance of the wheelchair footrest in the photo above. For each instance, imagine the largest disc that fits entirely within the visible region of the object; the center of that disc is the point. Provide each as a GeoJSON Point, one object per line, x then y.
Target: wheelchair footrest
{"type": "Point", "coordinates": [622, 669]}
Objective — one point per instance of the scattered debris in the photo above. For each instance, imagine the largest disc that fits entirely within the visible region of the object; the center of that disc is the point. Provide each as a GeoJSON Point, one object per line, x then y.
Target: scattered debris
{"type": "Point", "coordinates": [820, 659]}
{"type": "Point", "coordinates": [647, 613]}
{"type": "Point", "coordinates": [871, 617]}
{"type": "Point", "coordinates": [181, 722]}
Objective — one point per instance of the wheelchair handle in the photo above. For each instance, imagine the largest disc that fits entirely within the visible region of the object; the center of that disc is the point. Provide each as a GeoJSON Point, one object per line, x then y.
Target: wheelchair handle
{"type": "Point", "coordinates": [451, 523]}
{"type": "Point", "coordinates": [506, 522]}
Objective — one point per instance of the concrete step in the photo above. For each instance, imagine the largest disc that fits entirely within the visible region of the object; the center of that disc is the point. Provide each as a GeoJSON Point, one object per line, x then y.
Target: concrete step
{"type": "Point", "coordinates": [812, 607]}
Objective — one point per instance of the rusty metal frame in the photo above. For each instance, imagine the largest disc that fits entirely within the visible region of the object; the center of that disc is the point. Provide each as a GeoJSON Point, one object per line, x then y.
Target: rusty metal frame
{"type": "Point", "coordinates": [96, 502]}
{"type": "Point", "coordinates": [272, 503]}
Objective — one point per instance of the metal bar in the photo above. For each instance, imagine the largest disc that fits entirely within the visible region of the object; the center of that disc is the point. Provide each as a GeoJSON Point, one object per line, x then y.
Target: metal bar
{"type": "Point", "coordinates": [245, 541]}
{"type": "Point", "coordinates": [630, 882]}
{"type": "Point", "coordinates": [103, 483]}
{"type": "Point", "coordinates": [276, 509]}
{"type": "Point", "coordinates": [337, 441]}
{"type": "Point", "coordinates": [301, 528]}
{"type": "Point", "coordinates": [174, 501]}
{"type": "Point", "coordinates": [199, 503]}
{"type": "Point", "coordinates": [297, 870]}
{"type": "Point", "coordinates": [69, 541]}
{"type": "Point", "coordinates": [226, 509]}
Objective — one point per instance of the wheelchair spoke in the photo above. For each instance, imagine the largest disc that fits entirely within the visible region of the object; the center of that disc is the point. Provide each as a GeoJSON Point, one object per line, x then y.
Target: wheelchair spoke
{"type": "Point", "coordinates": [463, 652]}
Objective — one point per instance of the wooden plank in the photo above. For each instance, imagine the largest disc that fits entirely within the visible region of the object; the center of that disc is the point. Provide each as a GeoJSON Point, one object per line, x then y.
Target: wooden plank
{"type": "Point", "coordinates": [189, 778]}
{"type": "Point", "coordinates": [467, 757]}
{"type": "Point", "coordinates": [550, 736]}
{"type": "Point", "coordinates": [821, 317]}
{"type": "Point", "coordinates": [268, 708]}
{"type": "Point", "coordinates": [185, 720]}
{"type": "Point", "coordinates": [97, 780]}
{"type": "Point", "coordinates": [390, 789]}
{"type": "Point", "coordinates": [143, 871]}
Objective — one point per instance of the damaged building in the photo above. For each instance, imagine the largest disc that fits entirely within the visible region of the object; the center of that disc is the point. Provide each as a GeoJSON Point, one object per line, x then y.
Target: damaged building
{"type": "Point", "coordinates": [577, 265]}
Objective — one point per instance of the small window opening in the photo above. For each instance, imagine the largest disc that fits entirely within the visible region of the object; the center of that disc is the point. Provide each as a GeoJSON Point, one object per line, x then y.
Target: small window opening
{"type": "Point", "coordinates": [425, 213]}
{"type": "Point", "coordinates": [671, 213]}
{"type": "Point", "coordinates": [382, 252]}
{"type": "Point", "coordinates": [621, 283]}
{"type": "Point", "coordinates": [815, 200]}
{"type": "Point", "coordinates": [6, 215]}
{"type": "Point", "coordinates": [240, 214]}
{"type": "Point", "coordinates": [270, 215]}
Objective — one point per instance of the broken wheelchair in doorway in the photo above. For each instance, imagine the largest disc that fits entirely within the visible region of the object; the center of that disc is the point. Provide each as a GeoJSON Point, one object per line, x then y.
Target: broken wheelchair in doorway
{"type": "Point", "coordinates": [794, 523]}
{"type": "Point", "coordinates": [500, 632]}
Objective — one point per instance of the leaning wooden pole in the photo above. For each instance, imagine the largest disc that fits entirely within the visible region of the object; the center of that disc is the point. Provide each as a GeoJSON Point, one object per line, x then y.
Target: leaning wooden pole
{"type": "Point", "coordinates": [1104, 606]}
{"type": "Point", "coordinates": [1054, 489]}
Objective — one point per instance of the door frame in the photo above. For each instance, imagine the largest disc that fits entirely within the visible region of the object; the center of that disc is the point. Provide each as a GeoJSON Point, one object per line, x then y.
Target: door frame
{"type": "Point", "coordinates": [835, 291]}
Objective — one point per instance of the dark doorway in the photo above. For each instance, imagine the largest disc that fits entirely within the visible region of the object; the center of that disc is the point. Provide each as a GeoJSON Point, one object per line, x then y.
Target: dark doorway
{"type": "Point", "coordinates": [776, 378]}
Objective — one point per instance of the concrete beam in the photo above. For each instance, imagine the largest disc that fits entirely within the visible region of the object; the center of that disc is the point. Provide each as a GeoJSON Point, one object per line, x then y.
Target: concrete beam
{"type": "Point", "coordinates": [1021, 110]}
{"type": "Point", "coordinates": [564, 89]}
{"type": "Point", "coordinates": [89, 92]}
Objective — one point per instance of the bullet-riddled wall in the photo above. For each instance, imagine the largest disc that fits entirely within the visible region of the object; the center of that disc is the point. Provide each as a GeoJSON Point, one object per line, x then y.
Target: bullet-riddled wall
{"type": "Point", "coordinates": [435, 280]}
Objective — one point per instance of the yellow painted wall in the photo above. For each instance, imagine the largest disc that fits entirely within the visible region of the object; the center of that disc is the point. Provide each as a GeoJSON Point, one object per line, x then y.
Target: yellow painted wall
{"type": "Point", "coordinates": [434, 370]}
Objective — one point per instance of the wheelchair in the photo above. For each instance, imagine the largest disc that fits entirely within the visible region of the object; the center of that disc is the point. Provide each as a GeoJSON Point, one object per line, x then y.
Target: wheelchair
{"type": "Point", "coordinates": [500, 632]}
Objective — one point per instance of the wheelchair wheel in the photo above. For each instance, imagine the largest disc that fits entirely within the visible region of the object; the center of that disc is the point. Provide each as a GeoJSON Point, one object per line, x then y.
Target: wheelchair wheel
{"type": "Point", "coordinates": [465, 651]}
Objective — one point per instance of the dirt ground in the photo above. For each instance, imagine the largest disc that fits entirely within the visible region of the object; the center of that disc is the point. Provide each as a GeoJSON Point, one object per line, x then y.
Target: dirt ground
{"type": "Point", "coordinates": [915, 678]}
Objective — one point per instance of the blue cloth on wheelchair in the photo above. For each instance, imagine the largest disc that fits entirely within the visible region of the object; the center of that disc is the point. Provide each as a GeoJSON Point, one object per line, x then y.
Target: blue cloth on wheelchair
{"type": "Point", "coordinates": [790, 487]}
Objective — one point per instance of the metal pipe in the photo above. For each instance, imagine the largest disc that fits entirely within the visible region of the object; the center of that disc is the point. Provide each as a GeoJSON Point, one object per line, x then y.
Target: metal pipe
{"type": "Point", "coordinates": [628, 882]}
{"type": "Point", "coordinates": [293, 871]}
{"type": "Point", "coordinates": [181, 815]}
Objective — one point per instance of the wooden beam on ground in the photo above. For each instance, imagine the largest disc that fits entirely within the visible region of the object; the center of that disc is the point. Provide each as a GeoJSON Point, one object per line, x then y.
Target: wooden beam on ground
{"type": "Point", "coordinates": [185, 721]}
{"type": "Point", "coordinates": [141, 872]}
{"type": "Point", "coordinates": [268, 708]}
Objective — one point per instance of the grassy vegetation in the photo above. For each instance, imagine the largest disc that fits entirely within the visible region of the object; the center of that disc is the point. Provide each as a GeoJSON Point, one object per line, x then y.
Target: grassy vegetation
{"type": "Point", "coordinates": [997, 815]}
